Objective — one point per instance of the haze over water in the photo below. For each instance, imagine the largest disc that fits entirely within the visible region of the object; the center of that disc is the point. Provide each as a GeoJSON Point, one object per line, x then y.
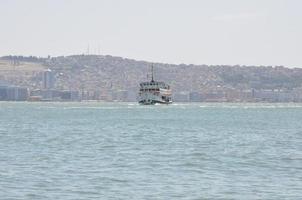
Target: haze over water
{"type": "Point", "coordinates": [126, 151]}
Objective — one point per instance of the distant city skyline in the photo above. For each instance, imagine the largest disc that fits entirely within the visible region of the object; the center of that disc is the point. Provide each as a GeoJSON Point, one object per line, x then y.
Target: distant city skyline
{"type": "Point", "coordinates": [258, 32]}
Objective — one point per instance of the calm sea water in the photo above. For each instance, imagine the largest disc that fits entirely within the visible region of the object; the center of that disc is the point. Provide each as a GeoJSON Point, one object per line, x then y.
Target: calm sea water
{"type": "Point", "coordinates": [126, 151]}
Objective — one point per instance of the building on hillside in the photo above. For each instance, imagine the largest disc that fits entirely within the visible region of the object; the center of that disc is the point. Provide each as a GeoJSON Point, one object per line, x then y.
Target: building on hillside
{"type": "Point", "coordinates": [181, 97]}
{"type": "Point", "coordinates": [120, 95]}
{"type": "Point", "coordinates": [273, 96]}
{"type": "Point", "coordinates": [214, 95]}
{"type": "Point", "coordinates": [131, 96]}
{"type": "Point", "coordinates": [13, 93]}
{"type": "Point", "coordinates": [48, 79]}
{"type": "Point", "coordinates": [195, 97]}
{"type": "Point", "coordinates": [54, 95]}
{"type": "Point", "coordinates": [69, 95]}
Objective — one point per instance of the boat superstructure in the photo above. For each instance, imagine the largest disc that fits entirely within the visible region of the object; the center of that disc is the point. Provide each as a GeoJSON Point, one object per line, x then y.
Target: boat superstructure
{"type": "Point", "coordinates": [154, 92]}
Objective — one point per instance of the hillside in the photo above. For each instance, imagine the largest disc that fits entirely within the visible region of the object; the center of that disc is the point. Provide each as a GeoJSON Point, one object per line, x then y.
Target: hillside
{"type": "Point", "coordinates": [108, 73]}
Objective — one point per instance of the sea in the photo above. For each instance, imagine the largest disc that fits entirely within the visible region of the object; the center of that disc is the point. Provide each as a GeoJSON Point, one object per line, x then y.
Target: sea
{"type": "Point", "coordinates": [95, 150]}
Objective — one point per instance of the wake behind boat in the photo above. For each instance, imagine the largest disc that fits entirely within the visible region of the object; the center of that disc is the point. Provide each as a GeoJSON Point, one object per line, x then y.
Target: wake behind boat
{"type": "Point", "coordinates": [154, 92]}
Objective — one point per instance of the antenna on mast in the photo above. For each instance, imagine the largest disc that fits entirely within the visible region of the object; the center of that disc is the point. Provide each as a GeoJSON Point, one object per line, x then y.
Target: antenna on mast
{"type": "Point", "coordinates": [88, 49]}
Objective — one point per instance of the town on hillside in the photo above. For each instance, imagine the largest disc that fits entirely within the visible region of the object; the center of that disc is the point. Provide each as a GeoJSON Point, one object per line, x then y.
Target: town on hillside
{"type": "Point", "coordinates": [109, 78]}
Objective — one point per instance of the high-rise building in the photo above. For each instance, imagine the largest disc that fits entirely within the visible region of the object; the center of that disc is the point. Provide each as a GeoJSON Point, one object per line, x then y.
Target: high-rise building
{"type": "Point", "coordinates": [195, 97]}
{"type": "Point", "coordinates": [13, 93]}
{"type": "Point", "coordinates": [48, 79]}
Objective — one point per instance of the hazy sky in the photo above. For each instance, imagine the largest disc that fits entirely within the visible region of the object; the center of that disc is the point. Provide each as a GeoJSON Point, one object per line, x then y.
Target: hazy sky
{"type": "Point", "coordinates": [245, 32]}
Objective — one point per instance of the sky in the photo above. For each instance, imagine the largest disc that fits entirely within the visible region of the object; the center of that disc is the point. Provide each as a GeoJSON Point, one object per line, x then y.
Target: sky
{"type": "Point", "coordinates": [213, 32]}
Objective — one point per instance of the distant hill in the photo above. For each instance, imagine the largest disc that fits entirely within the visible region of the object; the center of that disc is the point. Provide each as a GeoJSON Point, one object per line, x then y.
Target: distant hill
{"type": "Point", "coordinates": [98, 73]}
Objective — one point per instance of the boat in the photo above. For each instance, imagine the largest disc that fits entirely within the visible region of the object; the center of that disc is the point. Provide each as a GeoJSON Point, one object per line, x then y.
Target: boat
{"type": "Point", "coordinates": [154, 92]}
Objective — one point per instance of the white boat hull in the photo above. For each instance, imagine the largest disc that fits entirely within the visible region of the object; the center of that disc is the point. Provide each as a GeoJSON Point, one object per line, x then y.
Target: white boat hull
{"type": "Point", "coordinates": [151, 99]}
